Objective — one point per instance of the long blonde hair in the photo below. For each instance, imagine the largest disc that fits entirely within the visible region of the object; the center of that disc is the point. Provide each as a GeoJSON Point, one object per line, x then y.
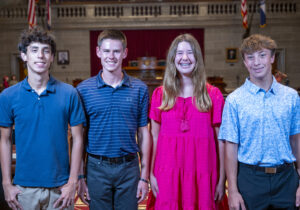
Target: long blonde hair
{"type": "Point", "coordinates": [172, 84]}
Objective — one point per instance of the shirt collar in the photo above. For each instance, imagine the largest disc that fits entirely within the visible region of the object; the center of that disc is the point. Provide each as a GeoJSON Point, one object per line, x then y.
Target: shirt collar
{"type": "Point", "coordinates": [255, 89]}
{"type": "Point", "coordinates": [125, 81]}
{"type": "Point", "coordinates": [50, 85]}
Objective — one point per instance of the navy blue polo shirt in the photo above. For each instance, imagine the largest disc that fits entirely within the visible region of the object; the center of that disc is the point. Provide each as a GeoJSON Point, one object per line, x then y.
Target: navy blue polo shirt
{"type": "Point", "coordinates": [41, 125]}
{"type": "Point", "coordinates": [114, 114]}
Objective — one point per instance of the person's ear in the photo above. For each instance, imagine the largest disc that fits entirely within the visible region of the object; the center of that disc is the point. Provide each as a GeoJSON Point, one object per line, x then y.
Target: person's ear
{"type": "Point", "coordinates": [125, 53]}
{"type": "Point", "coordinates": [98, 52]}
{"type": "Point", "coordinates": [273, 58]}
{"type": "Point", "coordinates": [23, 56]}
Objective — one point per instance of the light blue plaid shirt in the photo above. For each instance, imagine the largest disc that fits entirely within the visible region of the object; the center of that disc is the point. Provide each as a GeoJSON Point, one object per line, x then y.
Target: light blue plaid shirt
{"type": "Point", "coordinates": [261, 123]}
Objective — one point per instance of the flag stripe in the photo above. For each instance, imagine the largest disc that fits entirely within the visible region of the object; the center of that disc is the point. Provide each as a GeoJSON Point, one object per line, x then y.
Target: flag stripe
{"type": "Point", "coordinates": [244, 13]}
{"type": "Point", "coordinates": [31, 13]}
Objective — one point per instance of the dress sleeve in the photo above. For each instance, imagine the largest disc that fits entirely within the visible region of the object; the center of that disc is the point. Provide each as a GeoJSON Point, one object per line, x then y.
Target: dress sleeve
{"type": "Point", "coordinates": [155, 113]}
{"type": "Point", "coordinates": [217, 106]}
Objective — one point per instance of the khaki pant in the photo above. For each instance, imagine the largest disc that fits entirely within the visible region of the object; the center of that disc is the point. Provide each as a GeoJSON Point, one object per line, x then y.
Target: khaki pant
{"type": "Point", "coordinates": [34, 198]}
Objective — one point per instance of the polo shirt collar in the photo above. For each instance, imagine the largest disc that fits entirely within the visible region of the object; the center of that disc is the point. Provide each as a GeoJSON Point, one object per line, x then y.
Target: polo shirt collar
{"type": "Point", "coordinates": [50, 85]}
{"type": "Point", "coordinates": [125, 81]}
{"type": "Point", "coordinates": [255, 89]}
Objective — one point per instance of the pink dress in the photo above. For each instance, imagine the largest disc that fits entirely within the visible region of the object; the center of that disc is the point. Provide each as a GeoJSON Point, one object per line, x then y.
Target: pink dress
{"type": "Point", "coordinates": [186, 164]}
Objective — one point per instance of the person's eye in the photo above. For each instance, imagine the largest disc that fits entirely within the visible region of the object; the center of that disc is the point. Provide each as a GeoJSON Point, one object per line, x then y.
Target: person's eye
{"type": "Point", "coordinates": [249, 57]}
{"type": "Point", "coordinates": [262, 55]}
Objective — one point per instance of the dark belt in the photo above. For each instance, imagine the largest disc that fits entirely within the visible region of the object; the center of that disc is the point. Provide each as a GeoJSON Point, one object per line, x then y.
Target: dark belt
{"type": "Point", "coordinates": [115, 160]}
{"type": "Point", "coordinates": [269, 170]}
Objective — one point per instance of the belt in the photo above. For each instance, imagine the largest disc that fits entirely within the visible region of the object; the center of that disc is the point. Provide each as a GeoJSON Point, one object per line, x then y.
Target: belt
{"type": "Point", "coordinates": [115, 160]}
{"type": "Point", "coordinates": [269, 170]}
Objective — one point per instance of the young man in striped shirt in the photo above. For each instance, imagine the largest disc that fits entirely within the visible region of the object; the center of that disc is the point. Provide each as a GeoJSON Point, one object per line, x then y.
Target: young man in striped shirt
{"type": "Point", "coordinates": [116, 107]}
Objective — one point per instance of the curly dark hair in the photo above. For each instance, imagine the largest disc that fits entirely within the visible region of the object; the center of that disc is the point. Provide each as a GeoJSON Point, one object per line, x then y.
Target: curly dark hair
{"type": "Point", "coordinates": [37, 34]}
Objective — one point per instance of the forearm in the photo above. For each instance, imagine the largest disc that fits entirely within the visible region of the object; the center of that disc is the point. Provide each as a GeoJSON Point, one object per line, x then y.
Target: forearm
{"type": "Point", "coordinates": [154, 145]}
{"type": "Point", "coordinates": [145, 145]}
{"type": "Point", "coordinates": [6, 156]}
{"type": "Point", "coordinates": [295, 144]}
{"type": "Point", "coordinates": [76, 154]}
{"type": "Point", "coordinates": [155, 128]}
{"type": "Point", "coordinates": [221, 145]}
{"type": "Point", "coordinates": [221, 156]}
{"type": "Point", "coordinates": [231, 166]}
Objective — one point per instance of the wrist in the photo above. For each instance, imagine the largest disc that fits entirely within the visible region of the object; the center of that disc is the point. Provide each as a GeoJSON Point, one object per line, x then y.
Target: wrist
{"type": "Point", "coordinates": [73, 180]}
{"type": "Point", "coordinates": [144, 180]}
{"type": "Point", "coordinates": [81, 176]}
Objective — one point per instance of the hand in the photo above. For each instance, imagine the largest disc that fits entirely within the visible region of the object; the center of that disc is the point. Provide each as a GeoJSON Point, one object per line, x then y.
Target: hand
{"type": "Point", "coordinates": [298, 197]}
{"type": "Point", "coordinates": [142, 191]}
{"type": "Point", "coordinates": [83, 192]}
{"type": "Point", "coordinates": [220, 191]}
{"type": "Point", "coordinates": [11, 193]}
{"type": "Point", "coordinates": [154, 186]}
{"type": "Point", "coordinates": [67, 196]}
{"type": "Point", "coordinates": [236, 201]}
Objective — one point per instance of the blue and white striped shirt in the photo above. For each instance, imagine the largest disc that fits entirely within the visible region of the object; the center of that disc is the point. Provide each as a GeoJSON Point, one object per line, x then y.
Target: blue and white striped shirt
{"type": "Point", "coordinates": [261, 123]}
{"type": "Point", "coordinates": [114, 114]}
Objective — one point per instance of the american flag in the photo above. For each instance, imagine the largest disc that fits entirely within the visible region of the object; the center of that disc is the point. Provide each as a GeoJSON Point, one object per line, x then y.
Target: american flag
{"type": "Point", "coordinates": [31, 13]}
{"type": "Point", "coordinates": [48, 3]}
{"type": "Point", "coordinates": [244, 13]}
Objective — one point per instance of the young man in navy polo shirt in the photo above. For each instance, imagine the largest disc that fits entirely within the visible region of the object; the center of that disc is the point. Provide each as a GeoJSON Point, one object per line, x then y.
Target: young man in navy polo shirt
{"type": "Point", "coordinates": [116, 106]}
{"type": "Point", "coordinates": [261, 126]}
{"type": "Point", "coordinates": [41, 108]}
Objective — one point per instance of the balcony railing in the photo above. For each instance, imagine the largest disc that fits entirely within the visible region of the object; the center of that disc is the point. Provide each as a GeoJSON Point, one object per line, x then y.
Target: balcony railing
{"type": "Point", "coordinates": [158, 10]}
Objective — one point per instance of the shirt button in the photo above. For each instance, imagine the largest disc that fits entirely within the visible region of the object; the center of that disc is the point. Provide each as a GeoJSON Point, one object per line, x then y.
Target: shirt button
{"type": "Point", "coordinates": [38, 98]}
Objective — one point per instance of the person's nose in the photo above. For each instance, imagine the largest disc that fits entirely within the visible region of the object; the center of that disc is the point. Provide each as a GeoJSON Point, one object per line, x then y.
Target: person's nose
{"type": "Point", "coordinates": [111, 54]}
{"type": "Point", "coordinates": [40, 53]}
{"type": "Point", "coordinates": [185, 56]}
{"type": "Point", "coordinates": [256, 60]}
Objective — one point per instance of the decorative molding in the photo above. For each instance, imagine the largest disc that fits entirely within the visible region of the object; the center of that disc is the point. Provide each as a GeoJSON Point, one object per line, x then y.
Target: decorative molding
{"type": "Point", "coordinates": [157, 14]}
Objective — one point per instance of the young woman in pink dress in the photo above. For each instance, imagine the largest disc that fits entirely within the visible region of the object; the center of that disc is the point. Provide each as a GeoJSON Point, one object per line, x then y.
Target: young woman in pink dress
{"type": "Point", "coordinates": [187, 171]}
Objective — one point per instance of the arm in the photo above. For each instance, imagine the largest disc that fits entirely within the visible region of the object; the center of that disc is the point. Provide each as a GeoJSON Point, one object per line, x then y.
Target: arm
{"type": "Point", "coordinates": [68, 190]}
{"type": "Point", "coordinates": [10, 190]}
{"type": "Point", "coordinates": [155, 128]}
{"type": "Point", "coordinates": [83, 192]}
{"type": "Point", "coordinates": [295, 144]}
{"type": "Point", "coordinates": [220, 189]}
{"type": "Point", "coordinates": [145, 145]}
{"type": "Point", "coordinates": [235, 199]}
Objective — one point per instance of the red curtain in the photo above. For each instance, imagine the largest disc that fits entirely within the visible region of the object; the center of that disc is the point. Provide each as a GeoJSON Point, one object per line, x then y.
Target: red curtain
{"type": "Point", "coordinates": [144, 43]}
